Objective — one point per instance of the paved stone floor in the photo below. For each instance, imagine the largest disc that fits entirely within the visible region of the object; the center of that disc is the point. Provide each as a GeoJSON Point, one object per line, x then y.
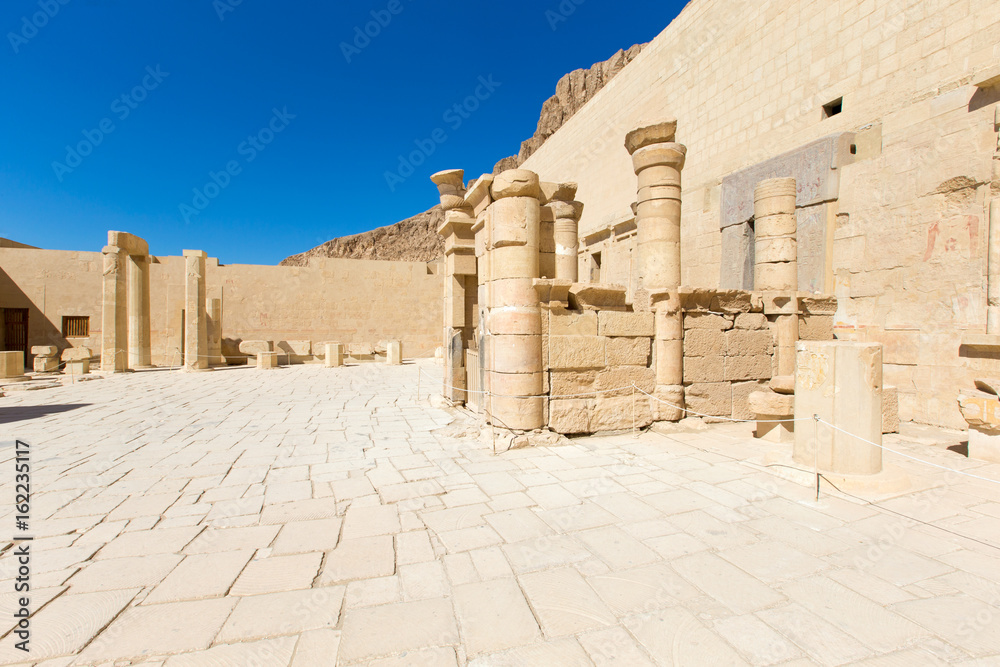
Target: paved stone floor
{"type": "Point", "coordinates": [313, 516]}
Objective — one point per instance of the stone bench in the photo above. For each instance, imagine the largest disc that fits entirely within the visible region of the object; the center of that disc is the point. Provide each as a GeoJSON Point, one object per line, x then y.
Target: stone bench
{"type": "Point", "coordinates": [46, 358]}
{"type": "Point", "coordinates": [77, 360]}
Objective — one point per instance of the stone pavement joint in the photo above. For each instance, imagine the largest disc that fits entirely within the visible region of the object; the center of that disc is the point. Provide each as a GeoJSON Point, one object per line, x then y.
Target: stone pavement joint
{"type": "Point", "coordinates": [320, 516]}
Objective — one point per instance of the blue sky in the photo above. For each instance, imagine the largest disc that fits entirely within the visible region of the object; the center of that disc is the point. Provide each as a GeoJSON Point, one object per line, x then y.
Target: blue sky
{"type": "Point", "coordinates": [246, 128]}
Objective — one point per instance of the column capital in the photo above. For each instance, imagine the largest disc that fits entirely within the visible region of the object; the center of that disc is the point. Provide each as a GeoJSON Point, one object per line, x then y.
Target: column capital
{"type": "Point", "coordinates": [661, 133]}
{"type": "Point", "coordinates": [669, 154]}
{"type": "Point", "coordinates": [516, 183]}
{"type": "Point", "coordinates": [451, 188]}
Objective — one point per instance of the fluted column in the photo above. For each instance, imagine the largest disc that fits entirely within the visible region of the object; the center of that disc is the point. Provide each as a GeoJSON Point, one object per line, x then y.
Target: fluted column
{"type": "Point", "coordinates": [195, 312]}
{"type": "Point", "coordinates": [514, 320]}
{"type": "Point", "coordinates": [114, 312]}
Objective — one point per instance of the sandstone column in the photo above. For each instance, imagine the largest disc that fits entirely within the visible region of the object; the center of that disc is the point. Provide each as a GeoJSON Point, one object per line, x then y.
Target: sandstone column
{"type": "Point", "coordinates": [114, 312]}
{"type": "Point", "coordinates": [567, 214]}
{"type": "Point", "coordinates": [841, 382]}
{"type": "Point", "coordinates": [215, 332]}
{"type": "Point", "coordinates": [776, 262]}
{"type": "Point", "coordinates": [993, 271]}
{"type": "Point", "coordinates": [658, 160]}
{"type": "Point", "coordinates": [195, 312]}
{"type": "Point", "coordinates": [514, 320]}
{"type": "Point", "coordinates": [139, 350]}
{"type": "Point", "coordinates": [460, 263]}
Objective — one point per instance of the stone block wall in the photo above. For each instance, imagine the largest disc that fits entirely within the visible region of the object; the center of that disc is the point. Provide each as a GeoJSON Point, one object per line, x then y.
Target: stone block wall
{"type": "Point", "coordinates": [593, 357]}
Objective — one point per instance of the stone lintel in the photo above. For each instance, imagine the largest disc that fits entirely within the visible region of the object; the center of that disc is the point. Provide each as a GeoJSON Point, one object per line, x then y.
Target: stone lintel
{"type": "Point", "coordinates": [552, 293]}
{"type": "Point", "coordinates": [595, 296]}
{"type": "Point", "coordinates": [478, 195]}
{"type": "Point", "coordinates": [987, 78]}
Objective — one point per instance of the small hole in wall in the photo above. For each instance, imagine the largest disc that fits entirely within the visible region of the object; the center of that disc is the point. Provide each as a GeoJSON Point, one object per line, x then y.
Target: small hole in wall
{"type": "Point", "coordinates": [833, 108]}
{"type": "Point", "coordinates": [854, 149]}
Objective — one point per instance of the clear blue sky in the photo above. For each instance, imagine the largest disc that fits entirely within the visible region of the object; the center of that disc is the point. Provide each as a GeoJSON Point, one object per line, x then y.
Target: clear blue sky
{"type": "Point", "coordinates": [201, 77]}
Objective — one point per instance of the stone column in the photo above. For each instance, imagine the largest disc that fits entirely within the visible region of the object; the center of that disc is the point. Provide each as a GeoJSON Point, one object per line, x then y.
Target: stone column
{"type": "Point", "coordinates": [841, 382]}
{"type": "Point", "coordinates": [195, 312]}
{"type": "Point", "coordinates": [514, 322]}
{"type": "Point", "coordinates": [139, 349]}
{"type": "Point", "coordinates": [215, 332]}
{"type": "Point", "coordinates": [567, 214]}
{"type": "Point", "coordinates": [776, 262]}
{"type": "Point", "coordinates": [658, 160]}
{"type": "Point", "coordinates": [114, 312]}
{"type": "Point", "coordinates": [993, 272]}
{"type": "Point", "coordinates": [460, 262]}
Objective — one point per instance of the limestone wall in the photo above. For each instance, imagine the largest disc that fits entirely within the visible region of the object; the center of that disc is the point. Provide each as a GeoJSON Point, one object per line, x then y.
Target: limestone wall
{"type": "Point", "coordinates": [747, 82]}
{"type": "Point", "coordinates": [350, 301]}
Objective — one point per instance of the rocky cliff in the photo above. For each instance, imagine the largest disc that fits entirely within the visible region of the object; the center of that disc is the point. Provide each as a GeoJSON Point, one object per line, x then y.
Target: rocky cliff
{"type": "Point", "coordinates": [412, 240]}
{"type": "Point", "coordinates": [415, 239]}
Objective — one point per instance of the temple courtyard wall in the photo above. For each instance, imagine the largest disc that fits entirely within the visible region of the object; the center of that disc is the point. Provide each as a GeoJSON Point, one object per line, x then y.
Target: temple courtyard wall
{"type": "Point", "coordinates": [884, 112]}
{"type": "Point", "coordinates": [358, 303]}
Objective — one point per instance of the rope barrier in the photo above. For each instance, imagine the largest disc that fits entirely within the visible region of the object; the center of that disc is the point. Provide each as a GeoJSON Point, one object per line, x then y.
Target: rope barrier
{"type": "Point", "coordinates": [907, 456]}
{"type": "Point", "coordinates": [728, 419]}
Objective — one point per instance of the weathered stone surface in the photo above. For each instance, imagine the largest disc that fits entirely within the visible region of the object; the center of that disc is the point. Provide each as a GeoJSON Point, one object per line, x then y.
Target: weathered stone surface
{"type": "Point", "coordinates": [571, 415]}
{"type": "Point", "coordinates": [267, 360]}
{"type": "Point", "coordinates": [569, 383]}
{"type": "Point", "coordinates": [46, 364]}
{"type": "Point", "coordinates": [707, 321]}
{"type": "Point", "coordinates": [573, 323]}
{"type": "Point", "coordinates": [515, 183]}
{"type": "Point", "coordinates": [980, 410]}
{"type": "Point", "coordinates": [670, 406]}
{"type": "Point", "coordinates": [11, 364]}
{"type": "Point", "coordinates": [741, 398]}
{"type": "Point", "coordinates": [752, 321]}
{"type": "Point", "coordinates": [576, 352]}
{"type": "Point", "coordinates": [628, 351]}
{"type": "Point", "coordinates": [660, 133]}
{"type": "Point", "coordinates": [302, 348]}
{"type": "Point", "coordinates": [715, 398]}
{"type": "Point", "coordinates": [44, 350]}
{"type": "Point", "coordinates": [771, 404]}
{"type": "Point", "coordinates": [619, 413]}
{"type": "Point", "coordinates": [594, 296]}
{"type": "Point", "coordinates": [816, 327]}
{"type": "Point", "coordinates": [624, 377]}
{"type": "Point", "coordinates": [76, 353]}
{"type": "Point", "coordinates": [253, 347]}
{"type": "Point", "coordinates": [704, 369]}
{"type": "Point", "coordinates": [890, 409]}
{"type": "Point", "coordinates": [755, 367]}
{"type": "Point", "coordinates": [741, 343]}
{"type": "Point", "coordinates": [783, 384]}
{"type": "Point", "coordinates": [626, 324]}
{"type": "Point", "coordinates": [704, 343]}
{"type": "Point", "coordinates": [561, 192]}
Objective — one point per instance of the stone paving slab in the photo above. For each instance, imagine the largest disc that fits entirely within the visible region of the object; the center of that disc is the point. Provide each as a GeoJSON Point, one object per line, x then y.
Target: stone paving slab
{"type": "Point", "coordinates": [313, 516]}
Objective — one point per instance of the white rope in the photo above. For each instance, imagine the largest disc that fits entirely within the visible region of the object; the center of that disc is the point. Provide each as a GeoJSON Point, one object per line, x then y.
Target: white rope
{"type": "Point", "coordinates": [728, 419]}
{"type": "Point", "coordinates": [913, 458]}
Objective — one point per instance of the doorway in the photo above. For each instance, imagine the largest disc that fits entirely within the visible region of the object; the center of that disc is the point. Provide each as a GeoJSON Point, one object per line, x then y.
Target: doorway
{"type": "Point", "coordinates": [15, 331]}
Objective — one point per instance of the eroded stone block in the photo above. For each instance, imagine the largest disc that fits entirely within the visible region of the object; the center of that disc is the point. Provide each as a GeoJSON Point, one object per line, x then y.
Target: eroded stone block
{"type": "Point", "coordinates": [267, 360]}
{"type": "Point", "coordinates": [254, 347]}
{"type": "Point", "coordinates": [571, 415]}
{"type": "Point", "coordinates": [614, 323]}
{"type": "Point", "coordinates": [628, 351]}
{"type": "Point", "coordinates": [11, 364]}
{"type": "Point", "coordinates": [576, 352]}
